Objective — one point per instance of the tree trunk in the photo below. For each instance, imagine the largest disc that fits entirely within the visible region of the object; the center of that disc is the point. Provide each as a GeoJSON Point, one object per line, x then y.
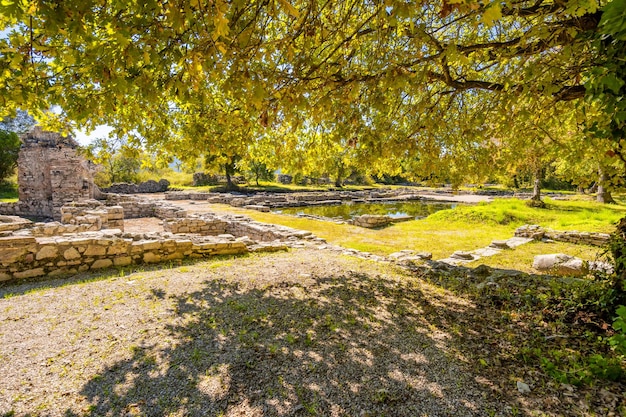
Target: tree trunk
{"type": "Point", "coordinates": [604, 195]}
{"type": "Point", "coordinates": [535, 199]}
{"type": "Point", "coordinates": [339, 179]}
{"type": "Point", "coordinates": [536, 190]}
{"type": "Point", "coordinates": [229, 169]}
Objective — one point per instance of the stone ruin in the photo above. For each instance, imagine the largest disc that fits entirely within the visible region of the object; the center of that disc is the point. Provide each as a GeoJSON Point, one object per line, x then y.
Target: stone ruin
{"type": "Point", "coordinates": [87, 233]}
{"type": "Point", "coordinates": [50, 174]}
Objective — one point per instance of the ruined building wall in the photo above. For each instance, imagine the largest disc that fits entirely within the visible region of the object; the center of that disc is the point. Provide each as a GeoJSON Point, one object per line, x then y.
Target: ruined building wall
{"type": "Point", "coordinates": [50, 174]}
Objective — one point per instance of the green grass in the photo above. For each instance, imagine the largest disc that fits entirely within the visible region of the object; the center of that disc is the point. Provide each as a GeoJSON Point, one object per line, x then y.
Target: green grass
{"type": "Point", "coordinates": [521, 258]}
{"type": "Point", "coordinates": [8, 190]}
{"type": "Point", "coordinates": [464, 228]}
{"type": "Point", "coordinates": [560, 215]}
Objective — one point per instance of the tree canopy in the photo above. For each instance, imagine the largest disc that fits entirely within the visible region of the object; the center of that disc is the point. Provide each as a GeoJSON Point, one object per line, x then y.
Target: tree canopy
{"type": "Point", "coordinates": [388, 81]}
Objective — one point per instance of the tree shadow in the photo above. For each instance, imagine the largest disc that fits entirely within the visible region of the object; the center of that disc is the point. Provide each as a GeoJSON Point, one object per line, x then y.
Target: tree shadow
{"type": "Point", "coordinates": [349, 345]}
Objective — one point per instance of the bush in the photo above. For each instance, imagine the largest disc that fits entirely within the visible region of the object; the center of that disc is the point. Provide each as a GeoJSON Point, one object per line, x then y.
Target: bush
{"type": "Point", "coordinates": [618, 340]}
{"type": "Point", "coordinates": [9, 150]}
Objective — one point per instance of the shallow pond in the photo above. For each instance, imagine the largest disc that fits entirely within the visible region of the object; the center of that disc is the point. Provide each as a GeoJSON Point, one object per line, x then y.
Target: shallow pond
{"type": "Point", "coordinates": [347, 211]}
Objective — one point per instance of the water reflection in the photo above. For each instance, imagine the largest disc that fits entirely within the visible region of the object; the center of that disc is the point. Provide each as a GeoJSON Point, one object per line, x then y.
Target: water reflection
{"type": "Point", "coordinates": [347, 211]}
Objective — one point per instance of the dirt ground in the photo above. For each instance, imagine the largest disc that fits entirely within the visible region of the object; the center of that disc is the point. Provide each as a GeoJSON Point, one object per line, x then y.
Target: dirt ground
{"type": "Point", "coordinates": [301, 333]}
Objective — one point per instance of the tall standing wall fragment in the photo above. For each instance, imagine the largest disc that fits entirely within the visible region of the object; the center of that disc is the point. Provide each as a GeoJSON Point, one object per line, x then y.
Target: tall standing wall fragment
{"type": "Point", "coordinates": [51, 173]}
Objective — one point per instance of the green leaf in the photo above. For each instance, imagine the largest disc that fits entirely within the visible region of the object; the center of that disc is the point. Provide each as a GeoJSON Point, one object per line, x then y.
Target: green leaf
{"type": "Point", "coordinates": [613, 20]}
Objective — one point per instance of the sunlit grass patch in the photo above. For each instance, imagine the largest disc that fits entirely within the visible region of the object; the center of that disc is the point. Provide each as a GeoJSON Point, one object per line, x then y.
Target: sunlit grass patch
{"type": "Point", "coordinates": [521, 258]}
{"type": "Point", "coordinates": [8, 190]}
{"type": "Point", "coordinates": [466, 227]}
{"type": "Point", "coordinates": [586, 216]}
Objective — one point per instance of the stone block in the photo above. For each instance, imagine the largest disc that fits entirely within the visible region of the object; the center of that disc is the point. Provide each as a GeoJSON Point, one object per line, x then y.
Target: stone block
{"type": "Point", "coordinates": [462, 255]}
{"type": "Point", "coordinates": [558, 263]}
{"type": "Point", "coordinates": [102, 263]}
{"type": "Point", "coordinates": [95, 250]}
{"type": "Point", "coordinates": [118, 247]}
{"type": "Point", "coordinates": [29, 273]}
{"type": "Point", "coordinates": [13, 241]}
{"type": "Point", "coordinates": [123, 261]}
{"type": "Point", "coordinates": [151, 257]}
{"type": "Point", "coordinates": [46, 252]}
{"type": "Point", "coordinates": [57, 272]}
{"type": "Point", "coordinates": [71, 254]}
{"type": "Point", "coordinates": [145, 245]}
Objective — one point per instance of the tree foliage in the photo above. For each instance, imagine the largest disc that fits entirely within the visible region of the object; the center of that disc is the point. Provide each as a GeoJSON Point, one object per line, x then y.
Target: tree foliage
{"type": "Point", "coordinates": [426, 84]}
{"type": "Point", "coordinates": [119, 162]}
{"type": "Point", "coordinates": [9, 151]}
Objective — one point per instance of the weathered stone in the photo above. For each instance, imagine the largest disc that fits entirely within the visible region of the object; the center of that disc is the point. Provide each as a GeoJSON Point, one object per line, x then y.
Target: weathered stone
{"type": "Point", "coordinates": [559, 263]}
{"type": "Point", "coordinates": [371, 221]}
{"type": "Point", "coordinates": [11, 255]}
{"type": "Point", "coordinates": [14, 241]}
{"type": "Point", "coordinates": [118, 247]}
{"type": "Point", "coordinates": [29, 273]}
{"type": "Point", "coordinates": [123, 261]}
{"type": "Point", "coordinates": [71, 254]}
{"type": "Point", "coordinates": [257, 207]}
{"type": "Point", "coordinates": [462, 255]}
{"type": "Point", "coordinates": [46, 252]}
{"type": "Point", "coordinates": [5, 277]}
{"type": "Point", "coordinates": [51, 173]}
{"type": "Point", "coordinates": [58, 272]}
{"type": "Point", "coordinates": [500, 244]}
{"type": "Point", "coordinates": [95, 250]}
{"type": "Point", "coordinates": [151, 257]}
{"type": "Point", "coordinates": [101, 263]}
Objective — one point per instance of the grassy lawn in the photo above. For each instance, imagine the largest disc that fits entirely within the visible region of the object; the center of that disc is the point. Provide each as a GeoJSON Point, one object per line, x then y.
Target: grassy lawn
{"type": "Point", "coordinates": [466, 228]}
{"type": "Point", "coordinates": [8, 191]}
{"type": "Point", "coordinates": [521, 258]}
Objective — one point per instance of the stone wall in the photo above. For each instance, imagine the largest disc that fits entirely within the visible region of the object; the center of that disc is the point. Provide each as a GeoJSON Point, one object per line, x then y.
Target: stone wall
{"type": "Point", "coordinates": [12, 223]}
{"type": "Point", "coordinates": [284, 178]}
{"type": "Point", "coordinates": [93, 212]}
{"type": "Point", "coordinates": [50, 174]}
{"type": "Point", "coordinates": [149, 186]}
{"type": "Point", "coordinates": [28, 256]}
{"type": "Point", "coordinates": [212, 225]}
{"type": "Point", "coordinates": [584, 238]}
{"type": "Point", "coordinates": [273, 200]}
{"type": "Point", "coordinates": [201, 178]}
{"type": "Point", "coordinates": [135, 207]}
{"type": "Point", "coordinates": [371, 221]}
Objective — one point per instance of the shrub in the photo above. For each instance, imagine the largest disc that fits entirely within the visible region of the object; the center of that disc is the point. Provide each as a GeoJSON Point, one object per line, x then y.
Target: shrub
{"type": "Point", "coordinates": [9, 150]}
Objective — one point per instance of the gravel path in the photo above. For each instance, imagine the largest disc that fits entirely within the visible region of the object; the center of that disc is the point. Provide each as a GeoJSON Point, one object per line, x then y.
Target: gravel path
{"type": "Point", "coordinates": [299, 333]}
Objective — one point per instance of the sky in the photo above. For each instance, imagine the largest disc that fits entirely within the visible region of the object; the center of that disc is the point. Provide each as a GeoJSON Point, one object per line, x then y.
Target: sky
{"type": "Point", "coordinates": [101, 131]}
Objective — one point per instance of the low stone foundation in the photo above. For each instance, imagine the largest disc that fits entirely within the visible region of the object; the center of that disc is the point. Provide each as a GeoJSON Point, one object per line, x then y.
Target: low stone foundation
{"type": "Point", "coordinates": [149, 186]}
{"type": "Point", "coordinates": [135, 207]}
{"type": "Point", "coordinates": [273, 200]}
{"type": "Point", "coordinates": [583, 238]}
{"type": "Point", "coordinates": [93, 212]}
{"type": "Point", "coordinates": [29, 257]}
{"type": "Point", "coordinates": [12, 223]}
{"type": "Point", "coordinates": [29, 250]}
{"type": "Point", "coordinates": [212, 225]}
{"type": "Point", "coordinates": [371, 221]}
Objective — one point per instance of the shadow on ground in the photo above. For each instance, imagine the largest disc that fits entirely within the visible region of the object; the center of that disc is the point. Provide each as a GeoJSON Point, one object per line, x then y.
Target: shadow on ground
{"type": "Point", "coordinates": [352, 345]}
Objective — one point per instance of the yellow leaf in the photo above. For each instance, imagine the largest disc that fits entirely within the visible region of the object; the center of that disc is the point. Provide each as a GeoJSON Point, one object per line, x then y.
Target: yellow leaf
{"type": "Point", "coordinates": [290, 9]}
{"type": "Point", "coordinates": [491, 14]}
{"type": "Point", "coordinates": [221, 47]}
